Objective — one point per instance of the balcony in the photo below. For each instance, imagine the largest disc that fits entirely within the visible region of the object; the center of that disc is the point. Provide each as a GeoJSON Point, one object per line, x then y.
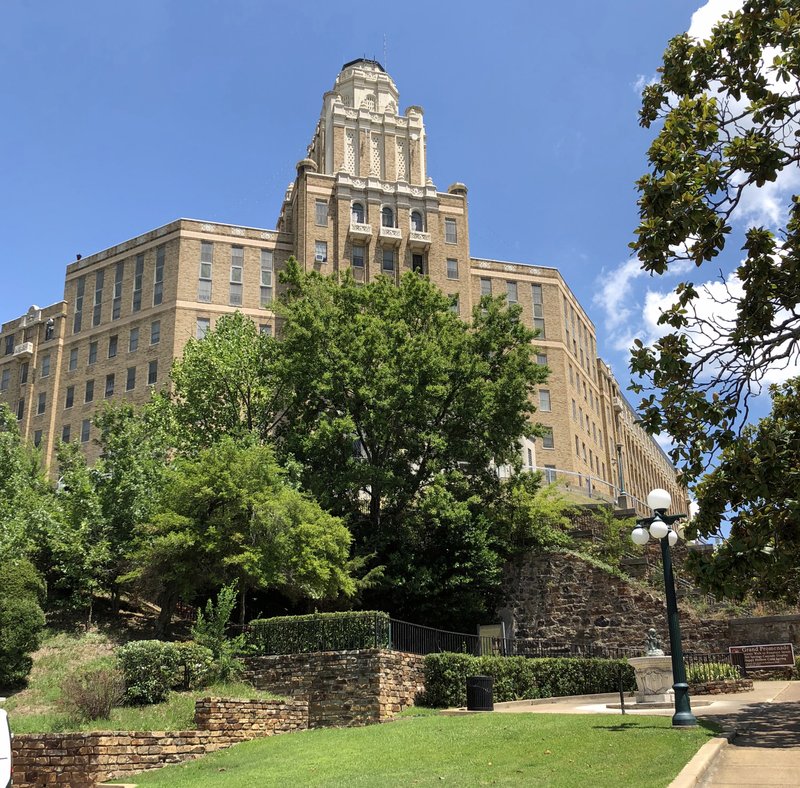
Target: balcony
{"type": "Point", "coordinates": [419, 240]}
{"type": "Point", "coordinates": [23, 350]}
{"type": "Point", "coordinates": [391, 236]}
{"type": "Point", "coordinates": [360, 231]}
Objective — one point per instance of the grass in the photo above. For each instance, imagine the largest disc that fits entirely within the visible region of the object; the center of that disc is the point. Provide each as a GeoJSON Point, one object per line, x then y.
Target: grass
{"type": "Point", "coordinates": [37, 708]}
{"type": "Point", "coordinates": [483, 749]}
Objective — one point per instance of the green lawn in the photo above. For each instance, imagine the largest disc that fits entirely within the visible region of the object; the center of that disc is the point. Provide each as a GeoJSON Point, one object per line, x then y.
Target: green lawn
{"type": "Point", "coordinates": [589, 751]}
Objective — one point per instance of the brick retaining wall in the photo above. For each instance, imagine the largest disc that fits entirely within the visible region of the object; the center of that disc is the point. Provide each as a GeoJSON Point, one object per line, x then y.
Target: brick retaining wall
{"type": "Point", "coordinates": [80, 760]}
{"type": "Point", "coordinates": [343, 687]}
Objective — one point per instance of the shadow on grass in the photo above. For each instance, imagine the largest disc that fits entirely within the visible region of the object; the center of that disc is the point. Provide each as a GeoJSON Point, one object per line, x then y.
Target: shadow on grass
{"type": "Point", "coordinates": [624, 726]}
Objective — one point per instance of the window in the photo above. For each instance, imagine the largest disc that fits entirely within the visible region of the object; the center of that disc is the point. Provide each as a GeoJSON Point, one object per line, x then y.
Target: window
{"type": "Point", "coordinates": [541, 359]}
{"type": "Point", "coordinates": [574, 411]}
{"type": "Point", "coordinates": [80, 288]}
{"type": "Point", "coordinates": [321, 213]}
{"type": "Point", "coordinates": [452, 269]}
{"type": "Point", "coordinates": [450, 232]}
{"type": "Point", "coordinates": [116, 304]}
{"type": "Point", "coordinates": [20, 409]}
{"type": "Point", "coordinates": [416, 222]}
{"type": "Point", "coordinates": [133, 340]}
{"type": "Point", "coordinates": [321, 251]}
{"type": "Point", "coordinates": [265, 329]}
{"type": "Point", "coordinates": [65, 431]}
{"type": "Point", "coordinates": [9, 345]}
{"type": "Point", "coordinates": [511, 292]}
{"type": "Point", "coordinates": [455, 306]}
{"type": "Point", "coordinates": [357, 213]}
{"type": "Point", "coordinates": [267, 263]}
{"type": "Point", "coordinates": [237, 266]}
{"type": "Point", "coordinates": [98, 298]}
{"type": "Point", "coordinates": [158, 279]}
{"type": "Point", "coordinates": [37, 438]}
{"type": "Point", "coordinates": [92, 352]}
{"type": "Point", "coordinates": [388, 261]}
{"type": "Point", "coordinates": [206, 263]}
{"type": "Point", "coordinates": [70, 398]}
{"type": "Point", "coordinates": [89, 393]}
{"type": "Point", "coordinates": [547, 438]}
{"type": "Point", "coordinates": [203, 324]}
{"type": "Point", "coordinates": [23, 373]}
{"type": "Point", "coordinates": [486, 287]}
{"type": "Point", "coordinates": [577, 447]}
{"type": "Point", "coordinates": [113, 342]}
{"type": "Point", "coordinates": [49, 329]}
{"type": "Point", "coordinates": [5, 379]}
{"type": "Point", "coordinates": [86, 426]}
{"type": "Point", "coordinates": [418, 263]}
{"type": "Point", "coordinates": [155, 332]}
{"type": "Point", "coordinates": [41, 403]}
{"type": "Point", "coordinates": [73, 359]}
{"type": "Point", "coordinates": [138, 274]}
{"type": "Point", "coordinates": [387, 217]}
{"type": "Point", "coordinates": [130, 379]}
{"type": "Point", "coordinates": [544, 400]}
{"type": "Point", "coordinates": [358, 256]}
{"type": "Point", "coordinates": [109, 385]}
{"type": "Point", "coordinates": [550, 474]}
{"type": "Point", "coordinates": [530, 457]}
{"type": "Point", "coordinates": [45, 365]}
{"type": "Point", "coordinates": [152, 373]}
{"type": "Point", "coordinates": [538, 309]}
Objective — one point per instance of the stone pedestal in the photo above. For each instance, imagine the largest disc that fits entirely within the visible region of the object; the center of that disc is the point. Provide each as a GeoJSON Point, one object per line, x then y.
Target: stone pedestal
{"type": "Point", "coordinates": [653, 679]}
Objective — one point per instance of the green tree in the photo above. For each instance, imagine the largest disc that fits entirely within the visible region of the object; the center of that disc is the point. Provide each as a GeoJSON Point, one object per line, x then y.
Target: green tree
{"type": "Point", "coordinates": [755, 486]}
{"type": "Point", "coordinates": [228, 383]}
{"type": "Point", "coordinates": [728, 110]}
{"type": "Point", "coordinates": [228, 515]}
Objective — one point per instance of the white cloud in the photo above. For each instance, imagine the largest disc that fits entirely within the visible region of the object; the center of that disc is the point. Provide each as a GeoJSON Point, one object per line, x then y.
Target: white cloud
{"type": "Point", "coordinates": [769, 204]}
{"type": "Point", "coordinates": [708, 15]}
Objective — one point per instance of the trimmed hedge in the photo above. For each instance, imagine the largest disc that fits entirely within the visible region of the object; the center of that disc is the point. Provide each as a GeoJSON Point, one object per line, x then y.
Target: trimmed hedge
{"type": "Point", "coordinates": [319, 632]}
{"type": "Point", "coordinates": [517, 678]}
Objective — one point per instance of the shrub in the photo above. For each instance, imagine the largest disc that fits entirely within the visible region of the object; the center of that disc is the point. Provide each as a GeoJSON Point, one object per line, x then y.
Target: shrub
{"type": "Point", "coordinates": [89, 693]}
{"type": "Point", "coordinates": [711, 671]}
{"type": "Point", "coordinates": [21, 619]}
{"type": "Point", "coordinates": [319, 632]}
{"type": "Point", "coordinates": [150, 668]}
{"type": "Point", "coordinates": [516, 678]}
{"type": "Point", "coordinates": [209, 631]}
{"type": "Point", "coordinates": [196, 667]}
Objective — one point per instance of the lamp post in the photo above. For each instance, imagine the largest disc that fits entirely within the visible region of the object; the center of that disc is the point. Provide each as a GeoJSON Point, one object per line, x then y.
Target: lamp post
{"type": "Point", "coordinates": [659, 526]}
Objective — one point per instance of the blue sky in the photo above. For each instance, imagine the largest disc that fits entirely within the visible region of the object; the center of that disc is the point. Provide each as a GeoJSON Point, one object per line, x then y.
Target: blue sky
{"type": "Point", "coordinates": [120, 117]}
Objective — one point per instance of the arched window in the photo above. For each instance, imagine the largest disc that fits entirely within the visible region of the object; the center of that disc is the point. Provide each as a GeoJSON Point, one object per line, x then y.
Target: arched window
{"type": "Point", "coordinates": [387, 217]}
{"type": "Point", "coordinates": [416, 222]}
{"type": "Point", "coordinates": [358, 213]}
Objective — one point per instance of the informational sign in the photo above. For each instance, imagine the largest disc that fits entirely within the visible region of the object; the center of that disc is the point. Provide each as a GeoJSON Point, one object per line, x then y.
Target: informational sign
{"type": "Point", "coordinates": [767, 655]}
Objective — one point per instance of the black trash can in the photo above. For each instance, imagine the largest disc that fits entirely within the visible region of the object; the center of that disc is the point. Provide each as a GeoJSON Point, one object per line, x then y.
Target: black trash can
{"type": "Point", "coordinates": [479, 693]}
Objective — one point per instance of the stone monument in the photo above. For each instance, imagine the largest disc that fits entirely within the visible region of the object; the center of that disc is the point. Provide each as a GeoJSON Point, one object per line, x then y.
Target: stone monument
{"type": "Point", "coordinates": [653, 673]}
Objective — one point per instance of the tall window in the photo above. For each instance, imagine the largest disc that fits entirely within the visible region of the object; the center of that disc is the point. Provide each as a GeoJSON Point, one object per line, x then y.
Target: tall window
{"type": "Point", "coordinates": [267, 268]}
{"type": "Point", "coordinates": [203, 325]}
{"type": "Point", "coordinates": [9, 345]}
{"type": "Point", "coordinates": [237, 266]}
{"type": "Point", "coordinates": [416, 222]}
{"type": "Point", "coordinates": [538, 309]}
{"type": "Point", "coordinates": [20, 409]}
{"type": "Point", "coordinates": [98, 298]}
{"type": "Point", "coordinates": [357, 213]}
{"type": "Point", "coordinates": [110, 385]}
{"type": "Point", "coordinates": [450, 231]}
{"type": "Point", "coordinates": [86, 426]}
{"type": "Point", "coordinates": [452, 269]}
{"type": "Point", "coordinates": [541, 359]}
{"type": "Point", "coordinates": [511, 293]}
{"type": "Point", "coordinates": [92, 352]}
{"type": "Point", "coordinates": [544, 400]}
{"type": "Point", "coordinates": [138, 275]}
{"type": "Point", "coordinates": [49, 329]}
{"type": "Point", "coordinates": [158, 280]}
{"type": "Point", "coordinates": [37, 438]}
{"type": "Point", "coordinates": [152, 373]}
{"type": "Point", "coordinates": [358, 256]}
{"type": "Point", "coordinates": [206, 262]}
{"type": "Point", "coordinates": [547, 438]}
{"type": "Point", "coordinates": [388, 261]}
{"type": "Point", "coordinates": [387, 217]}
{"type": "Point", "coordinates": [455, 304]}
{"type": "Point", "coordinates": [133, 340]}
{"type": "Point", "coordinates": [116, 304]}
{"type": "Point", "coordinates": [321, 251]}
{"type": "Point", "coordinates": [321, 213]}
{"type": "Point", "coordinates": [5, 379]}
{"type": "Point", "coordinates": [45, 365]}
{"type": "Point", "coordinates": [23, 373]}
{"type": "Point", "coordinates": [70, 398]}
{"type": "Point", "coordinates": [41, 403]}
{"type": "Point", "coordinates": [486, 287]}
{"type": "Point", "coordinates": [80, 289]}
{"type": "Point", "coordinates": [88, 394]}
{"type": "Point", "coordinates": [130, 380]}
{"type": "Point", "coordinates": [155, 332]}
{"type": "Point", "coordinates": [113, 343]}
{"type": "Point", "coordinates": [418, 263]}
{"type": "Point", "coordinates": [73, 359]}
{"type": "Point", "coordinates": [65, 433]}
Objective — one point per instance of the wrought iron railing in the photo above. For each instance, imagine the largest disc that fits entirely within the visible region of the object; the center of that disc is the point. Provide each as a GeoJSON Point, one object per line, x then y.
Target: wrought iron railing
{"type": "Point", "coordinates": [712, 667]}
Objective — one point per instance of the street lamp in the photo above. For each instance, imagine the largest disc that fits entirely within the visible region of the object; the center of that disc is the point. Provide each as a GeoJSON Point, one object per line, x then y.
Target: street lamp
{"type": "Point", "coordinates": [659, 526]}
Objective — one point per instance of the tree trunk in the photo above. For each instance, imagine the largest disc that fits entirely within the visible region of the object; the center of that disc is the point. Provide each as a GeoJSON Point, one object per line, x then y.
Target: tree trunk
{"type": "Point", "coordinates": [167, 600]}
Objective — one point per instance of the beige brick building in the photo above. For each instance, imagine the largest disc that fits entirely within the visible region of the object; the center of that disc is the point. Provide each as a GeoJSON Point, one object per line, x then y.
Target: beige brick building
{"type": "Point", "coordinates": [362, 200]}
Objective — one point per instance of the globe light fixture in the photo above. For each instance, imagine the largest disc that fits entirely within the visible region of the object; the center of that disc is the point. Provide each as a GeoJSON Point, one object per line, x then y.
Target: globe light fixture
{"type": "Point", "coordinates": [660, 527]}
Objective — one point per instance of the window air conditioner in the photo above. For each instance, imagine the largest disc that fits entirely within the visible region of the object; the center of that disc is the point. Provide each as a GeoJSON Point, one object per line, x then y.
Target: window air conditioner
{"type": "Point", "coordinates": [320, 258]}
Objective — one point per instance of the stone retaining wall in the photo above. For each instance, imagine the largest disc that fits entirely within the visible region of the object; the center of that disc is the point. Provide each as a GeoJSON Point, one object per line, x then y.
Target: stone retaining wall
{"type": "Point", "coordinates": [343, 688]}
{"type": "Point", "coordinates": [80, 760]}
{"type": "Point", "coordinates": [721, 687]}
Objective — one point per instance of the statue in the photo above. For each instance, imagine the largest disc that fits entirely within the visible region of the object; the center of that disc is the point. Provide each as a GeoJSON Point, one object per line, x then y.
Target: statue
{"type": "Point", "coordinates": [653, 644]}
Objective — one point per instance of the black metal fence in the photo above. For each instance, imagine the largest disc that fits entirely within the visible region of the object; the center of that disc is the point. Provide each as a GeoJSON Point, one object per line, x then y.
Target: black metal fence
{"type": "Point", "coordinates": [713, 667]}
